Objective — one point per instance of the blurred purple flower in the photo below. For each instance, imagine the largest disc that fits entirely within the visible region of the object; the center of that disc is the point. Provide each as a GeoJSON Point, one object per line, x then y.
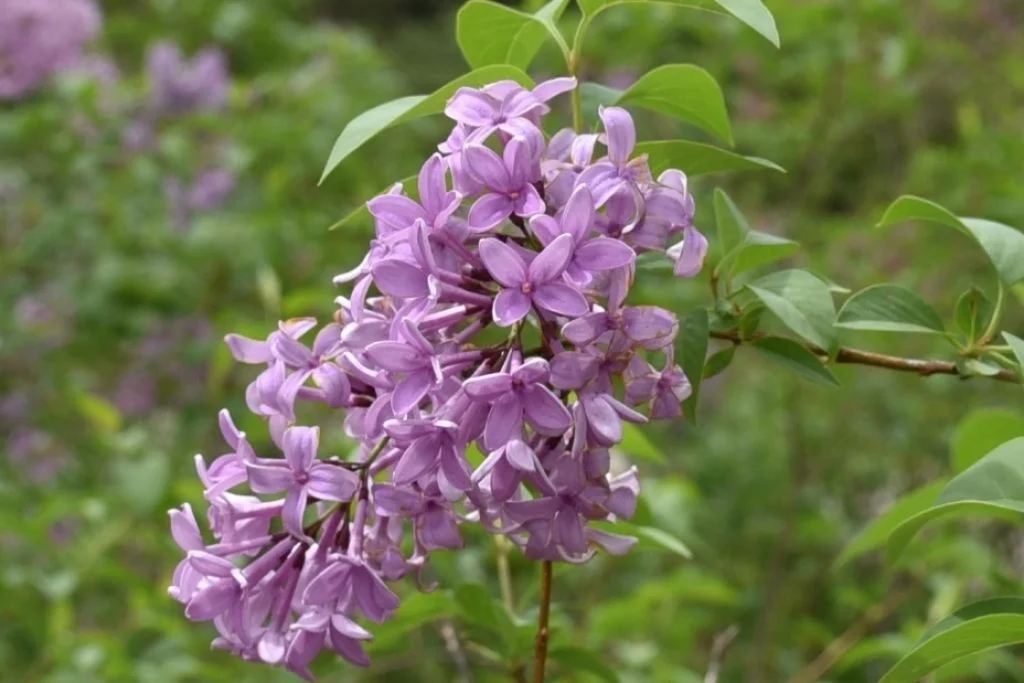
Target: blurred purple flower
{"type": "Point", "coordinates": [182, 86]}
{"type": "Point", "coordinates": [41, 37]}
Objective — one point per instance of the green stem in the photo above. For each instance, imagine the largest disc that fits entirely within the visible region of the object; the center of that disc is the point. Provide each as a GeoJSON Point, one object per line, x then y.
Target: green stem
{"type": "Point", "coordinates": [505, 574]}
{"type": "Point", "coordinates": [997, 316]}
{"type": "Point", "coordinates": [577, 93]}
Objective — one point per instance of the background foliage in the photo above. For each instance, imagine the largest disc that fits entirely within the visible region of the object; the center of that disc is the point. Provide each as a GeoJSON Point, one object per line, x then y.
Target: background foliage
{"type": "Point", "coordinates": [118, 293]}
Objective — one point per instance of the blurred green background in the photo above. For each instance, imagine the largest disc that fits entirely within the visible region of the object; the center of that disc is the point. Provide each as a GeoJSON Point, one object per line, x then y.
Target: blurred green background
{"type": "Point", "coordinates": [134, 234]}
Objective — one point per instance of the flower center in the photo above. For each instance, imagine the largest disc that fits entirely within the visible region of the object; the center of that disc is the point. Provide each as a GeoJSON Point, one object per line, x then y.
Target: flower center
{"type": "Point", "coordinates": [513, 195]}
{"type": "Point", "coordinates": [301, 478]}
{"type": "Point", "coordinates": [527, 288]}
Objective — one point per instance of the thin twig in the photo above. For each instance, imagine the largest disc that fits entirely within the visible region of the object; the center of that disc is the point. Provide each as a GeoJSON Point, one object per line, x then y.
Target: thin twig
{"type": "Point", "coordinates": [718, 647]}
{"type": "Point", "coordinates": [848, 356]}
{"type": "Point", "coordinates": [540, 653]}
{"type": "Point", "coordinates": [454, 647]}
{"type": "Point", "coordinates": [853, 635]}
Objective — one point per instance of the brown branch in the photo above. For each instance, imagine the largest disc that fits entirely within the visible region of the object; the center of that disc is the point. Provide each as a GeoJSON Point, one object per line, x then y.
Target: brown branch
{"type": "Point", "coordinates": [848, 356]}
{"type": "Point", "coordinates": [718, 647]}
{"type": "Point", "coordinates": [853, 635]}
{"type": "Point", "coordinates": [540, 653]}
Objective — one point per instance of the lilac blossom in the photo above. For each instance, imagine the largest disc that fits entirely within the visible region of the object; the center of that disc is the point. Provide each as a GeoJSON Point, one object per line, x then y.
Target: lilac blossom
{"type": "Point", "coordinates": [303, 548]}
{"type": "Point", "coordinates": [39, 38]}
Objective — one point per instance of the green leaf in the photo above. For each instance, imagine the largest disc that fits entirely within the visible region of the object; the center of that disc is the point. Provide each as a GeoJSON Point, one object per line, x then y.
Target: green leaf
{"type": "Point", "coordinates": [745, 249]}
{"type": "Point", "coordinates": [692, 349]}
{"type": "Point", "coordinates": [489, 33]}
{"type": "Point", "coordinates": [875, 534]}
{"type": "Point", "coordinates": [795, 357]}
{"type": "Point", "coordinates": [1017, 344]}
{"type": "Point", "coordinates": [685, 92]}
{"type": "Point", "coordinates": [981, 432]}
{"type": "Point", "coordinates": [719, 361]}
{"type": "Point", "coordinates": [1003, 245]}
{"type": "Point", "coordinates": [973, 313]}
{"type": "Point", "coordinates": [479, 607]}
{"type": "Point", "coordinates": [753, 13]}
{"type": "Point", "coordinates": [417, 610]}
{"type": "Point", "coordinates": [993, 486]}
{"type": "Point", "coordinates": [731, 223]}
{"type": "Point", "coordinates": [595, 95]}
{"type": "Point", "coordinates": [985, 625]}
{"type": "Point", "coordinates": [635, 443]}
{"type": "Point", "coordinates": [368, 124]}
{"type": "Point", "coordinates": [362, 213]}
{"type": "Point", "coordinates": [889, 308]}
{"type": "Point", "coordinates": [801, 301]}
{"type": "Point", "coordinates": [758, 249]}
{"type": "Point", "coordinates": [577, 660]}
{"type": "Point", "coordinates": [696, 158]}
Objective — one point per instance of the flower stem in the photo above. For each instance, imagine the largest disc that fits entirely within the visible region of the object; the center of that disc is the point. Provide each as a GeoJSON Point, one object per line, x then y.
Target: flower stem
{"type": "Point", "coordinates": [540, 652]}
{"type": "Point", "coordinates": [577, 93]}
{"type": "Point", "coordinates": [505, 574]}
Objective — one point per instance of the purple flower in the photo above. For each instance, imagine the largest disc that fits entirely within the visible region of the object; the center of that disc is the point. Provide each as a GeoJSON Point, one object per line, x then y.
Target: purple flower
{"type": "Point", "coordinates": [617, 170]}
{"type": "Point", "coordinates": [430, 448]}
{"type": "Point", "coordinates": [300, 475]}
{"type": "Point", "coordinates": [497, 106]}
{"type": "Point", "coordinates": [435, 208]}
{"type": "Point", "coordinates": [539, 284]}
{"type": "Point", "coordinates": [39, 38]}
{"type": "Point", "coordinates": [180, 86]}
{"type": "Point", "coordinates": [514, 396]}
{"type": "Point", "coordinates": [509, 180]}
{"type": "Point", "coordinates": [589, 254]}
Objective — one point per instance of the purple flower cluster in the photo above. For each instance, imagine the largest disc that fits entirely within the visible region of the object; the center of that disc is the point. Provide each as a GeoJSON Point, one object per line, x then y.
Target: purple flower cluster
{"type": "Point", "coordinates": [510, 232]}
{"type": "Point", "coordinates": [41, 37]}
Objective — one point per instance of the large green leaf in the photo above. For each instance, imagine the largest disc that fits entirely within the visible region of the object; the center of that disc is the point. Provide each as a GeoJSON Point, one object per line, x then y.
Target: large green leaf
{"type": "Point", "coordinates": [683, 91]}
{"type": "Point", "coordinates": [981, 432]}
{"type": "Point", "coordinates": [745, 249]}
{"type": "Point", "coordinates": [732, 225]}
{"type": "Point", "coordinates": [801, 301]}
{"type": "Point", "coordinates": [889, 308]}
{"type": "Point", "coordinates": [796, 358]}
{"type": "Point", "coordinates": [993, 486]}
{"type": "Point", "coordinates": [985, 625]}
{"type": "Point", "coordinates": [753, 13]}
{"type": "Point", "coordinates": [693, 349]}
{"type": "Point", "coordinates": [696, 158]}
{"type": "Point", "coordinates": [1003, 245]}
{"type": "Point", "coordinates": [875, 534]}
{"type": "Point", "coordinates": [649, 537]}
{"type": "Point", "coordinates": [368, 124]}
{"type": "Point", "coordinates": [489, 33]}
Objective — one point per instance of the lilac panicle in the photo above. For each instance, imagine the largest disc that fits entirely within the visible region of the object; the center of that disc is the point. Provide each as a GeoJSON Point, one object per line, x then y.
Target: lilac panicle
{"type": "Point", "coordinates": [508, 231]}
{"type": "Point", "coordinates": [39, 38]}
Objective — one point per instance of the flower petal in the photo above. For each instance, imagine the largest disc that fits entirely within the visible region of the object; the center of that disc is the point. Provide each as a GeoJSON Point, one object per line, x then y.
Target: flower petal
{"type": "Point", "coordinates": [586, 329]}
{"type": "Point", "coordinates": [396, 356]}
{"type": "Point", "coordinates": [620, 133]}
{"type": "Point", "coordinates": [532, 371]}
{"type": "Point", "coordinates": [432, 186]}
{"type": "Point", "coordinates": [573, 369]}
{"type": "Point", "coordinates": [502, 262]}
{"type": "Point", "coordinates": [578, 214]}
{"type": "Point", "coordinates": [300, 446]}
{"type": "Point", "coordinates": [397, 211]}
{"type": "Point", "coordinates": [330, 482]}
{"type": "Point", "coordinates": [487, 168]}
{"type": "Point", "coordinates": [294, 510]}
{"type": "Point", "coordinates": [544, 411]}
{"type": "Point", "coordinates": [400, 278]}
{"type": "Point", "coordinates": [488, 388]}
{"type": "Point", "coordinates": [411, 390]}
{"type": "Point", "coordinates": [561, 299]}
{"type": "Point", "coordinates": [471, 107]}
{"type": "Point", "coordinates": [247, 350]}
{"type": "Point", "coordinates": [691, 257]}
{"type": "Point", "coordinates": [603, 254]}
{"type": "Point", "coordinates": [510, 306]}
{"type": "Point", "coordinates": [551, 262]}
{"type": "Point", "coordinates": [270, 478]}
{"type": "Point", "coordinates": [489, 211]}
{"type": "Point", "coordinates": [504, 423]}
{"type": "Point", "coordinates": [528, 203]}
{"type": "Point", "coordinates": [419, 458]}
{"type": "Point", "coordinates": [553, 87]}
